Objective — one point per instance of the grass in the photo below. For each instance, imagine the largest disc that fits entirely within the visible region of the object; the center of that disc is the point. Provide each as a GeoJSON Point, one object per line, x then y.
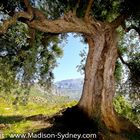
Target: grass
{"type": "Point", "coordinates": [12, 120]}
{"type": "Point", "coordinates": [133, 136]}
{"type": "Point", "coordinates": [18, 128]}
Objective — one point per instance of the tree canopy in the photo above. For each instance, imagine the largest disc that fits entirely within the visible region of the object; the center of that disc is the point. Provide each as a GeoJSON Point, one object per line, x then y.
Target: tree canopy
{"type": "Point", "coordinates": [34, 30]}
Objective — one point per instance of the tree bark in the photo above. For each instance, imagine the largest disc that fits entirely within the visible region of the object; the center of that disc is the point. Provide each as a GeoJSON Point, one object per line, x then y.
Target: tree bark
{"type": "Point", "coordinates": [99, 85]}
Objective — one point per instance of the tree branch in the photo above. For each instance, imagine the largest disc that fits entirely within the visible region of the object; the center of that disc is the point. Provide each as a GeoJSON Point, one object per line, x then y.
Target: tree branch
{"type": "Point", "coordinates": [88, 10]}
{"type": "Point", "coordinates": [32, 36]}
{"type": "Point", "coordinates": [38, 21]}
{"type": "Point", "coordinates": [38, 14]}
{"type": "Point", "coordinates": [29, 7]}
{"type": "Point", "coordinates": [76, 7]}
{"type": "Point", "coordinates": [119, 21]}
{"type": "Point", "coordinates": [7, 23]}
{"type": "Point", "coordinates": [122, 60]}
{"type": "Point", "coordinates": [135, 28]}
{"type": "Point", "coordinates": [27, 15]}
{"type": "Point", "coordinates": [70, 24]}
{"type": "Point", "coordinates": [64, 25]}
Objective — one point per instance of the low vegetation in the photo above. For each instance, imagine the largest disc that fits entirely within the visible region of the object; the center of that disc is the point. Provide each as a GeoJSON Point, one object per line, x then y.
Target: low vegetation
{"type": "Point", "coordinates": [127, 109]}
{"type": "Point", "coordinates": [15, 119]}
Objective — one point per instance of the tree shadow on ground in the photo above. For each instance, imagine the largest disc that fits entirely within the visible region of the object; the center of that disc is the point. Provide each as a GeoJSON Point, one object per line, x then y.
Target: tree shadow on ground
{"type": "Point", "coordinates": [69, 124]}
{"type": "Point", "coordinates": [10, 119]}
{"type": "Point", "coordinates": [71, 121]}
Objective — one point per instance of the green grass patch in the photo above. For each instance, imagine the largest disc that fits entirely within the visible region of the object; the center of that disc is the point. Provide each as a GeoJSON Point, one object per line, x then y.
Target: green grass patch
{"type": "Point", "coordinates": [18, 128]}
{"type": "Point", "coordinates": [13, 119]}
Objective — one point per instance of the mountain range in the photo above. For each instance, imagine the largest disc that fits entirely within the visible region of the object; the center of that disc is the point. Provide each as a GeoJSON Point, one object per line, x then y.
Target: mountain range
{"type": "Point", "coordinates": [70, 87]}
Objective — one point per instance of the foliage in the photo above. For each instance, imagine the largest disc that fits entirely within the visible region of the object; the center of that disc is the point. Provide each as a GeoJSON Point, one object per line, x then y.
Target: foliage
{"type": "Point", "coordinates": [25, 63]}
{"type": "Point", "coordinates": [118, 72]}
{"type": "Point", "coordinates": [106, 9]}
{"type": "Point", "coordinates": [134, 63]}
{"type": "Point", "coordinates": [127, 109]}
{"type": "Point", "coordinates": [81, 66]}
{"type": "Point", "coordinates": [129, 48]}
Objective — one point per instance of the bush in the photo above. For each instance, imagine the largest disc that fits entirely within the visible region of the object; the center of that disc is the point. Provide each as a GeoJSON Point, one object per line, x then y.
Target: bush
{"type": "Point", "coordinates": [126, 109]}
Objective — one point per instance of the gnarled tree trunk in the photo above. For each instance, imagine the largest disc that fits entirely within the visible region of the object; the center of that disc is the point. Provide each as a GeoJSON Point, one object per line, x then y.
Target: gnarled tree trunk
{"type": "Point", "coordinates": [99, 85]}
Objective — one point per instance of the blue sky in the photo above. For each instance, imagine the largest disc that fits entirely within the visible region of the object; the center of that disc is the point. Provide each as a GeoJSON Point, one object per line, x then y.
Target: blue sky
{"type": "Point", "coordinates": [67, 64]}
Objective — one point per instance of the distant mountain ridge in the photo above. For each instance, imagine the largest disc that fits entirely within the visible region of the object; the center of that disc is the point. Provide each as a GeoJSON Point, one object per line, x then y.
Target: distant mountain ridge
{"type": "Point", "coordinates": [73, 84]}
{"type": "Point", "coordinates": [70, 87]}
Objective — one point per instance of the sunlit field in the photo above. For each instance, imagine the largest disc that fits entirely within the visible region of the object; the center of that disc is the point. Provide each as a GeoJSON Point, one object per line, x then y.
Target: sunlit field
{"type": "Point", "coordinates": [29, 118]}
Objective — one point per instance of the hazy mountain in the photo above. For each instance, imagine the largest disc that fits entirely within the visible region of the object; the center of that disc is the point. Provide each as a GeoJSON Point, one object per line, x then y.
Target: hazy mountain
{"type": "Point", "coordinates": [70, 87]}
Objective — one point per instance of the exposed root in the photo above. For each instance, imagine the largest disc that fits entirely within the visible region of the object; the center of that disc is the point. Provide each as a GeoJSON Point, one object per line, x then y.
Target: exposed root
{"type": "Point", "coordinates": [74, 121]}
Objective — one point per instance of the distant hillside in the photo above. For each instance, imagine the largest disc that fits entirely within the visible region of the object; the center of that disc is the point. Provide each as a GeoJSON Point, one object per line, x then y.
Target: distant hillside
{"type": "Point", "coordinates": [70, 87]}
